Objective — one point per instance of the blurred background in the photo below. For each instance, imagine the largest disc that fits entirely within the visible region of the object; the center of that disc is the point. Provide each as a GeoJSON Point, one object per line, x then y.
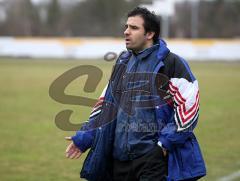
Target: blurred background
{"type": "Point", "coordinates": [42, 39]}
{"type": "Point", "coordinates": [73, 18]}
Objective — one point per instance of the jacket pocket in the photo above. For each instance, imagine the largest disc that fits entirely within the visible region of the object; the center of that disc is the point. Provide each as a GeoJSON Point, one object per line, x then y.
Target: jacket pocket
{"type": "Point", "coordinates": [198, 158]}
{"type": "Point", "coordinates": [185, 159]}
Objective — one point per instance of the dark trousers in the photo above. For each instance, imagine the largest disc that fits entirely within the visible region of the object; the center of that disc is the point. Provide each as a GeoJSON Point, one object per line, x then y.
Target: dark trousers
{"type": "Point", "coordinates": [149, 167]}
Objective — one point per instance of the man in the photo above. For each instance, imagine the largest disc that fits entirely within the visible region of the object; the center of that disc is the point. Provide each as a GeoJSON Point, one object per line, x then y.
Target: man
{"type": "Point", "coordinates": [142, 126]}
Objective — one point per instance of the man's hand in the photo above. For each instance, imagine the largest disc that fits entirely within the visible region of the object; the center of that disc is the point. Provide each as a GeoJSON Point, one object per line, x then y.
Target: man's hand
{"type": "Point", "coordinates": [72, 151]}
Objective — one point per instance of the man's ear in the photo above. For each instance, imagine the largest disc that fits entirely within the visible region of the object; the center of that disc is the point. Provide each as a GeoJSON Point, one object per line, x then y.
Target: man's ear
{"type": "Point", "coordinates": [149, 35]}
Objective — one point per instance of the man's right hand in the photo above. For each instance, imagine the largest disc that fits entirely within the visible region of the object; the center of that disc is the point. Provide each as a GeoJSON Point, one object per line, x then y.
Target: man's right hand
{"type": "Point", "coordinates": [72, 151]}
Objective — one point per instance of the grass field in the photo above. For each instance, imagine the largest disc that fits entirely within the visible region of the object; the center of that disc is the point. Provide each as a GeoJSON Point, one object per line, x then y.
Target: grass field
{"type": "Point", "coordinates": [33, 148]}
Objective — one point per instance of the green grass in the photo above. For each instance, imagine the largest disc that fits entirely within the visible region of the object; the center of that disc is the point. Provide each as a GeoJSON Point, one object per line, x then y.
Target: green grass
{"type": "Point", "coordinates": [33, 148]}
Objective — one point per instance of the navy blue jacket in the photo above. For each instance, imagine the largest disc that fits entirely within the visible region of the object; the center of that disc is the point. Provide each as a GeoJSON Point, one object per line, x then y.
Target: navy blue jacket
{"type": "Point", "coordinates": [136, 130]}
{"type": "Point", "coordinates": [174, 97]}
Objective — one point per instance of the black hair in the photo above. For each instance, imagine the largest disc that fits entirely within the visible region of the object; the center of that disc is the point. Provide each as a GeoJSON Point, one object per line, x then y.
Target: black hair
{"type": "Point", "coordinates": [151, 21]}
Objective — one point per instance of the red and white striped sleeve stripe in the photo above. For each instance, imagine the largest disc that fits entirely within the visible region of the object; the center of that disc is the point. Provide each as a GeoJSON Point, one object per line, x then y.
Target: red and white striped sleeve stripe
{"type": "Point", "coordinates": [186, 101]}
{"type": "Point", "coordinates": [98, 106]}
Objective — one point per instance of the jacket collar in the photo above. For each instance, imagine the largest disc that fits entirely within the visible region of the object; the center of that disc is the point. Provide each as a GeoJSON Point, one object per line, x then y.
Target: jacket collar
{"type": "Point", "coordinates": [163, 50]}
{"type": "Point", "coordinates": [161, 54]}
{"type": "Point", "coordinates": [144, 53]}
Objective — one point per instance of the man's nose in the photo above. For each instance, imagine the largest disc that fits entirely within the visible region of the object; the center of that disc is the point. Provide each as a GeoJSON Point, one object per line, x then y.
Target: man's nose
{"type": "Point", "coordinates": [126, 32]}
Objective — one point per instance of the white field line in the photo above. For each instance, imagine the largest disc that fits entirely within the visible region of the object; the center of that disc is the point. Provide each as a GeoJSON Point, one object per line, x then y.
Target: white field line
{"type": "Point", "coordinates": [230, 177]}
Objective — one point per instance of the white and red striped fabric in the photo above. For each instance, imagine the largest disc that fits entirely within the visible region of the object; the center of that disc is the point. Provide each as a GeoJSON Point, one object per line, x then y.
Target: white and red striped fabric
{"type": "Point", "coordinates": [186, 101]}
{"type": "Point", "coordinates": [97, 108]}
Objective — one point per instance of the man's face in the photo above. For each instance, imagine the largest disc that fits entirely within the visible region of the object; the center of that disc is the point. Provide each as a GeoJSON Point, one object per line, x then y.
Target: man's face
{"type": "Point", "coordinates": [136, 38]}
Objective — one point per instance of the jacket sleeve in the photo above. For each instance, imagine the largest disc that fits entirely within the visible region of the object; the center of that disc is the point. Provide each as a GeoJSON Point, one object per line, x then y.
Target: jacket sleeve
{"type": "Point", "coordinates": [83, 138]}
{"type": "Point", "coordinates": [183, 87]}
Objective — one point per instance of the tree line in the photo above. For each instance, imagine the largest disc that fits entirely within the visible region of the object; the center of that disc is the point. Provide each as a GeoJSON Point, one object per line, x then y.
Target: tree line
{"type": "Point", "coordinates": [219, 18]}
